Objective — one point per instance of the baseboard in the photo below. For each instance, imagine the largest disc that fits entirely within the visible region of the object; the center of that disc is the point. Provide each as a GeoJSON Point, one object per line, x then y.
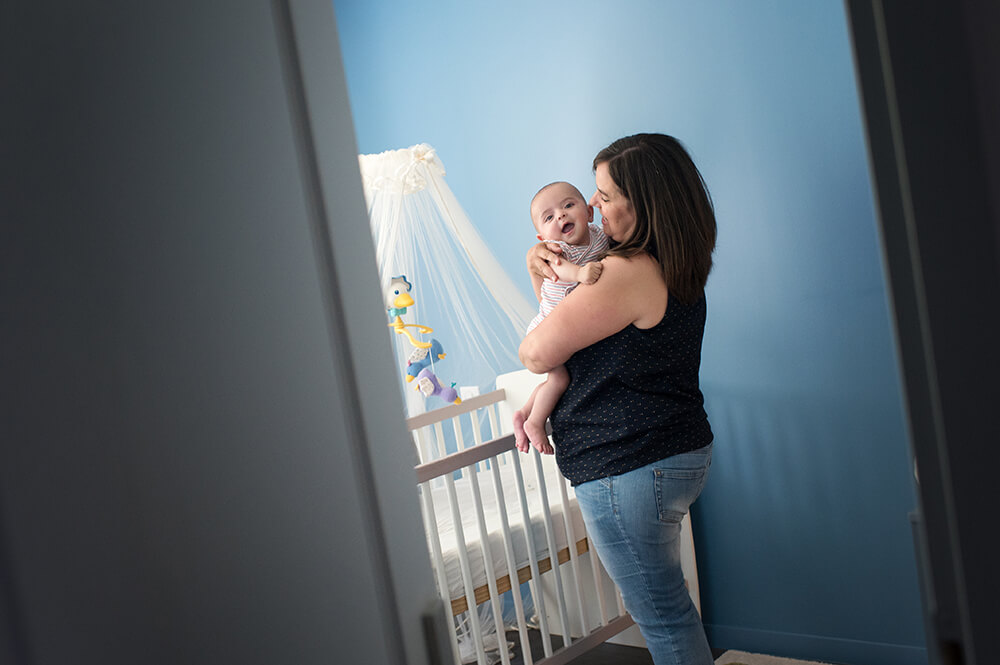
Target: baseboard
{"type": "Point", "coordinates": [814, 647]}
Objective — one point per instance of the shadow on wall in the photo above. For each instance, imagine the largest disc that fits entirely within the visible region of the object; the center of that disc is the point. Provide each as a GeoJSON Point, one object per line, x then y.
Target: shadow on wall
{"type": "Point", "coordinates": [789, 492]}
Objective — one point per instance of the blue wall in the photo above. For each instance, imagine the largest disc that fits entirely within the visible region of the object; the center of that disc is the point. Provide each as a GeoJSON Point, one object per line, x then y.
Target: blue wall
{"type": "Point", "coordinates": [802, 534]}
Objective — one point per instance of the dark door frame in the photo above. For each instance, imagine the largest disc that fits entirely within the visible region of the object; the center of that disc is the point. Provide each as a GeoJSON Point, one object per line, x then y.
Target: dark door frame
{"type": "Point", "coordinates": [928, 75]}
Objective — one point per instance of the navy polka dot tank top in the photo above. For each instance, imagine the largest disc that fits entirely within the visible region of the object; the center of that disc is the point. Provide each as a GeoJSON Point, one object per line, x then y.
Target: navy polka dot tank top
{"type": "Point", "coordinates": [633, 398]}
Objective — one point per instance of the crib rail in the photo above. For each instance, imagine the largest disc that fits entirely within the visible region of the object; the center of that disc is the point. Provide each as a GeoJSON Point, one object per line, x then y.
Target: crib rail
{"type": "Point", "coordinates": [484, 459]}
{"type": "Point", "coordinates": [454, 410]}
{"type": "Point", "coordinates": [463, 458]}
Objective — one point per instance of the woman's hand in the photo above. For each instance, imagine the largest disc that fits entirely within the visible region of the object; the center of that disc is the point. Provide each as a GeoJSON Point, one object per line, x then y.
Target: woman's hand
{"type": "Point", "coordinates": [539, 258]}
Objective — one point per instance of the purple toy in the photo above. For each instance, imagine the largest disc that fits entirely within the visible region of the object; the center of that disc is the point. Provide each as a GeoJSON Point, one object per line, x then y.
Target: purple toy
{"type": "Point", "coordinates": [428, 384]}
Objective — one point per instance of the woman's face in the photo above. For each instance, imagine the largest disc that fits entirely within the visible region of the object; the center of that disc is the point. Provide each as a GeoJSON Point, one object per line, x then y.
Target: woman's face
{"type": "Point", "coordinates": [617, 214]}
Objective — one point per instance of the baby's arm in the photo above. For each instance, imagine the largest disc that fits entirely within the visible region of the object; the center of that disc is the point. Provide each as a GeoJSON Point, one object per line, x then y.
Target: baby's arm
{"type": "Point", "coordinates": [585, 274]}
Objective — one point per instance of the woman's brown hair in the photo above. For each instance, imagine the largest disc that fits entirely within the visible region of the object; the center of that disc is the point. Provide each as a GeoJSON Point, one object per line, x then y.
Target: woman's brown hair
{"type": "Point", "coordinates": [675, 220]}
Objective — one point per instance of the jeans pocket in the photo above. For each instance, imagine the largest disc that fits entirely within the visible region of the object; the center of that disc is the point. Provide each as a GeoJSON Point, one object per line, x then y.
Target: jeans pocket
{"type": "Point", "coordinates": [676, 490]}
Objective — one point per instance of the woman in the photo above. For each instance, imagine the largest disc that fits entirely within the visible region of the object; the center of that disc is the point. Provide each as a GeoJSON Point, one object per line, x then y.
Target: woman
{"type": "Point", "coordinates": [630, 432]}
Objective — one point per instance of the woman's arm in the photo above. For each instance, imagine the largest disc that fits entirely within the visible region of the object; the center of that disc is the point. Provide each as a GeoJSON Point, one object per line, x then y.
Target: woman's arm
{"type": "Point", "coordinates": [629, 291]}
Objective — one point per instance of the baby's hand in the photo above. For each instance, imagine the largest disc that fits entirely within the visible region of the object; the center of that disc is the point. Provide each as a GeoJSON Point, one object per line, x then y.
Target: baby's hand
{"type": "Point", "coordinates": [590, 272]}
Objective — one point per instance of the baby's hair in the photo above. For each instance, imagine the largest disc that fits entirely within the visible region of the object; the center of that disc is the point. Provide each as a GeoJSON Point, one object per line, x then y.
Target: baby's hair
{"type": "Point", "coordinates": [553, 184]}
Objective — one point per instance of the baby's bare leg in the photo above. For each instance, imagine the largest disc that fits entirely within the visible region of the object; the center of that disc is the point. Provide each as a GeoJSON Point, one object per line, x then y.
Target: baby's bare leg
{"type": "Point", "coordinates": [545, 399]}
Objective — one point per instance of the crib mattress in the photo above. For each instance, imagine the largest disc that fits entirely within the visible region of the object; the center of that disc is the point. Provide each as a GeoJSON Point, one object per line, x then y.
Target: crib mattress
{"type": "Point", "coordinates": [470, 525]}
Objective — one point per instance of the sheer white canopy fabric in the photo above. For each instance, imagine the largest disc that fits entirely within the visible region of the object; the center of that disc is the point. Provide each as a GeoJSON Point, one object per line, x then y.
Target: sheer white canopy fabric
{"type": "Point", "coordinates": [458, 287]}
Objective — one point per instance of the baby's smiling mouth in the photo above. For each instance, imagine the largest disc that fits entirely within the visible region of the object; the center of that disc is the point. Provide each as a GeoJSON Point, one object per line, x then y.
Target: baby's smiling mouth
{"type": "Point", "coordinates": [567, 227]}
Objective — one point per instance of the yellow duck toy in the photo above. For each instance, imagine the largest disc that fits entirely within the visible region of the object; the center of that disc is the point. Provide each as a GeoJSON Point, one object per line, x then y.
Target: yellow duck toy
{"type": "Point", "coordinates": [397, 299]}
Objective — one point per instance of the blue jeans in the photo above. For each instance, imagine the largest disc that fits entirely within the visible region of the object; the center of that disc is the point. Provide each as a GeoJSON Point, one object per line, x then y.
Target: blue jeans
{"type": "Point", "coordinates": [634, 523]}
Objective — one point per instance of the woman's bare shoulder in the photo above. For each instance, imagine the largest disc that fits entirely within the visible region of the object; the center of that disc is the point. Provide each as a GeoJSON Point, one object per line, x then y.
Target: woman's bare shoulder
{"type": "Point", "coordinates": [638, 281]}
{"type": "Point", "coordinates": [640, 266]}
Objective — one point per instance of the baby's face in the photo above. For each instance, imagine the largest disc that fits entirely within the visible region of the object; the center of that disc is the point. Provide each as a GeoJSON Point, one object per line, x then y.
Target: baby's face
{"type": "Point", "coordinates": [560, 213]}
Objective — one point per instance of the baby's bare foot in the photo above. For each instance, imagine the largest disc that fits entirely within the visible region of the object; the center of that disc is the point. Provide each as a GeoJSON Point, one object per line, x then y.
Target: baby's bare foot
{"type": "Point", "coordinates": [537, 436]}
{"type": "Point", "coordinates": [520, 436]}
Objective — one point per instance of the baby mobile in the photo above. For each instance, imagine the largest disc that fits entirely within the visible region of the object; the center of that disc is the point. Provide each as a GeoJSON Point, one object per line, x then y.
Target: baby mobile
{"type": "Point", "coordinates": [420, 363]}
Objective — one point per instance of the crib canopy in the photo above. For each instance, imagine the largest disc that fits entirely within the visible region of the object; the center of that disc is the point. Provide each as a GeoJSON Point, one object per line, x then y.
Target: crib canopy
{"type": "Point", "coordinates": [458, 287]}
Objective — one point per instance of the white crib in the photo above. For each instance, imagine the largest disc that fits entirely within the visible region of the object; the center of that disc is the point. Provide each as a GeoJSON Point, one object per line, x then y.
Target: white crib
{"type": "Point", "coordinates": [476, 503]}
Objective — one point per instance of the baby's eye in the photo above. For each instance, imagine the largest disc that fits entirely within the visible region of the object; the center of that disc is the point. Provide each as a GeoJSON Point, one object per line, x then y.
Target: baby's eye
{"type": "Point", "coordinates": [548, 217]}
{"type": "Point", "coordinates": [570, 204]}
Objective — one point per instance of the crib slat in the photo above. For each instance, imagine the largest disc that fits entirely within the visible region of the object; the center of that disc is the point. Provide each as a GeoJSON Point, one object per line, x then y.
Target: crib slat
{"type": "Point", "coordinates": [439, 440]}
{"type": "Point", "coordinates": [484, 542]}
{"type": "Point", "coordinates": [424, 451]}
{"type": "Point", "coordinates": [456, 428]}
{"type": "Point", "coordinates": [416, 445]}
{"type": "Point", "coordinates": [477, 437]}
{"type": "Point", "coordinates": [535, 584]}
{"type": "Point", "coordinates": [574, 559]}
{"type": "Point", "coordinates": [508, 548]}
{"type": "Point", "coordinates": [550, 536]}
{"type": "Point", "coordinates": [463, 558]}
{"type": "Point", "coordinates": [459, 439]}
{"type": "Point", "coordinates": [439, 567]}
{"type": "Point", "coordinates": [491, 411]}
{"type": "Point", "coordinates": [477, 434]}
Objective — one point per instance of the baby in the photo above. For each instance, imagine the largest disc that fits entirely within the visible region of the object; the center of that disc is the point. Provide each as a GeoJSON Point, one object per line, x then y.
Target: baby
{"type": "Point", "coordinates": [561, 216]}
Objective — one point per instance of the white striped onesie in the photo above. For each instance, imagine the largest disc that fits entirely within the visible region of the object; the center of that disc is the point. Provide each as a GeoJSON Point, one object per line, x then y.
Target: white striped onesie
{"type": "Point", "coordinates": [553, 291]}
